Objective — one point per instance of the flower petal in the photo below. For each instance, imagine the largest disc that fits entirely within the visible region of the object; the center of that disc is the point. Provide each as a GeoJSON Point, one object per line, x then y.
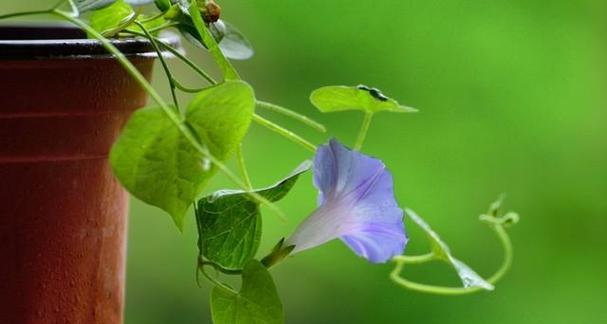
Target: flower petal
{"type": "Point", "coordinates": [339, 170]}
{"type": "Point", "coordinates": [356, 204]}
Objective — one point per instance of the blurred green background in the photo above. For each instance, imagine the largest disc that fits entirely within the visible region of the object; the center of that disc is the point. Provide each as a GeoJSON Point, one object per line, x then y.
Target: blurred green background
{"type": "Point", "coordinates": [512, 97]}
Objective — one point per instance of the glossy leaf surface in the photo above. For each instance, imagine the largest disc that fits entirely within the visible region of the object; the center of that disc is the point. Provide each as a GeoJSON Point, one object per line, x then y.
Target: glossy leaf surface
{"type": "Point", "coordinates": [229, 222]}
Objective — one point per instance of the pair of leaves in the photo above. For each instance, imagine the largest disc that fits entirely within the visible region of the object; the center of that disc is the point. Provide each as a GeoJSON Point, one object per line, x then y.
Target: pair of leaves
{"type": "Point", "coordinates": [440, 249]}
{"type": "Point", "coordinates": [257, 302]}
{"type": "Point", "coordinates": [369, 100]}
{"type": "Point", "coordinates": [157, 164]}
{"type": "Point", "coordinates": [229, 222]}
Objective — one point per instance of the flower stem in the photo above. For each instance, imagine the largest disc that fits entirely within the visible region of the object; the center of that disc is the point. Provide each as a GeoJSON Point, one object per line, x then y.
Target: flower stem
{"type": "Point", "coordinates": [362, 133]}
{"type": "Point", "coordinates": [243, 167]}
{"type": "Point", "coordinates": [415, 259]}
{"type": "Point", "coordinates": [179, 55]}
{"type": "Point", "coordinates": [284, 132]}
{"type": "Point", "coordinates": [395, 275]}
{"type": "Point", "coordinates": [214, 281]}
{"type": "Point", "coordinates": [163, 62]}
{"type": "Point", "coordinates": [290, 113]}
{"type": "Point", "coordinates": [163, 27]}
{"type": "Point", "coordinates": [176, 119]}
{"type": "Point", "coordinates": [183, 88]}
{"type": "Point", "coordinates": [26, 13]}
{"type": "Point", "coordinates": [229, 73]}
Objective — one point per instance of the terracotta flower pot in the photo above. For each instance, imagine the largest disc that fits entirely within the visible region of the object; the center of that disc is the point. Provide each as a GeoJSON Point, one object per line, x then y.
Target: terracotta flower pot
{"type": "Point", "coordinates": [63, 215]}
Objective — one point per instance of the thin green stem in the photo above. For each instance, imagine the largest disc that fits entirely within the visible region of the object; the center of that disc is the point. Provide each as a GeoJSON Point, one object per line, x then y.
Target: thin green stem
{"type": "Point", "coordinates": [243, 167]}
{"type": "Point", "coordinates": [163, 62]}
{"type": "Point", "coordinates": [395, 275]}
{"type": "Point", "coordinates": [186, 89]}
{"type": "Point", "coordinates": [284, 132]}
{"type": "Point", "coordinates": [73, 6]}
{"type": "Point", "coordinates": [362, 133]}
{"type": "Point", "coordinates": [415, 259]}
{"type": "Point", "coordinates": [508, 253]}
{"type": "Point", "coordinates": [180, 56]}
{"type": "Point", "coordinates": [27, 13]}
{"type": "Point", "coordinates": [152, 18]}
{"type": "Point", "coordinates": [229, 73]}
{"type": "Point", "coordinates": [163, 27]}
{"type": "Point", "coordinates": [216, 282]}
{"type": "Point", "coordinates": [187, 61]}
{"type": "Point", "coordinates": [176, 119]}
{"type": "Point", "coordinates": [289, 113]}
{"type": "Point", "coordinates": [219, 268]}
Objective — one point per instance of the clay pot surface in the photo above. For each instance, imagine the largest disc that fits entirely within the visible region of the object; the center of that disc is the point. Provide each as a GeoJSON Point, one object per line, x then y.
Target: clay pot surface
{"type": "Point", "coordinates": [63, 215]}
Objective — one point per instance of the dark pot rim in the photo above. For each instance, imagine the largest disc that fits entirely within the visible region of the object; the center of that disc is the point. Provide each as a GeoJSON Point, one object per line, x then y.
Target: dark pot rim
{"type": "Point", "coordinates": [59, 41]}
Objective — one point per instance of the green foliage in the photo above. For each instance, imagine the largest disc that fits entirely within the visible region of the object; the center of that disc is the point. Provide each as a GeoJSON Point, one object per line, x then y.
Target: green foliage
{"type": "Point", "coordinates": [162, 156]}
{"type": "Point", "coordinates": [232, 42]}
{"type": "Point", "coordinates": [210, 43]}
{"type": "Point", "coordinates": [148, 23]}
{"type": "Point", "coordinates": [112, 19]}
{"type": "Point", "coordinates": [339, 98]}
{"type": "Point", "coordinates": [156, 163]}
{"type": "Point", "coordinates": [88, 5]}
{"type": "Point", "coordinates": [256, 303]}
{"type": "Point", "coordinates": [229, 222]}
{"type": "Point", "coordinates": [221, 116]}
{"type": "Point", "coordinates": [442, 252]}
{"type": "Point", "coordinates": [163, 5]}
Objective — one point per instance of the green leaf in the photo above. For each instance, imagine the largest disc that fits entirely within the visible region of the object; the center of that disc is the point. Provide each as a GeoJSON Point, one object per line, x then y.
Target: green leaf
{"type": "Point", "coordinates": [256, 303]}
{"type": "Point", "coordinates": [110, 20]}
{"type": "Point", "coordinates": [221, 115]}
{"type": "Point", "coordinates": [163, 5]}
{"type": "Point", "coordinates": [340, 98]}
{"type": "Point", "coordinates": [229, 222]}
{"type": "Point", "coordinates": [88, 5]}
{"type": "Point", "coordinates": [158, 165]}
{"type": "Point", "coordinates": [468, 276]}
{"type": "Point", "coordinates": [231, 41]}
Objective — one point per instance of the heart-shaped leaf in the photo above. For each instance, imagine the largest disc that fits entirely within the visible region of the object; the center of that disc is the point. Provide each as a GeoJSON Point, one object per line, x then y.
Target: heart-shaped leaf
{"type": "Point", "coordinates": [157, 164]}
{"type": "Point", "coordinates": [340, 98]}
{"type": "Point", "coordinates": [256, 303]}
{"type": "Point", "coordinates": [468, 276]}
{"type": "Point", "coordinates": [229, 222]}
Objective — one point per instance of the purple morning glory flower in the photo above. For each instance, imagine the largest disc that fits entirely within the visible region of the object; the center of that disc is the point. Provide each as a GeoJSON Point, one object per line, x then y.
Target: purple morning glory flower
{"type": "Point", "coordinates": [356, 205]}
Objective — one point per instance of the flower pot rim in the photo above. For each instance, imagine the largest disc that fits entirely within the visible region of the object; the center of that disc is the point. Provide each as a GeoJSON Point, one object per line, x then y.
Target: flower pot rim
{"type": "Point", "coordinates": [60, 41]}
